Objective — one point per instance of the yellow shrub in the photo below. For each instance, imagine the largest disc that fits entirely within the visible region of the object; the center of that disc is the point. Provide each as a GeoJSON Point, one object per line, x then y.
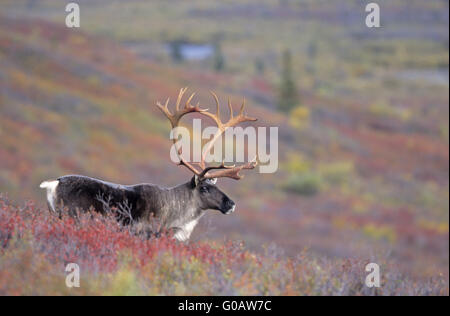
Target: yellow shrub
{"type": "Point", "coordinates": [299, 117]}
{"type": "Point", "coordinates": [380, 232]}
{"type": "Point", "coordinates": [296, 163]}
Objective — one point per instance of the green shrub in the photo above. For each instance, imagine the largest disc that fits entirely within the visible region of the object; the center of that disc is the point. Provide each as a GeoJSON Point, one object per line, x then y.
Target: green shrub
{"type": "Point", "coordinates": [337, 173]}
{"type": "Point", "coordinates": [307, 184]}
{"type": "Point", "coordinates": [287, 95]}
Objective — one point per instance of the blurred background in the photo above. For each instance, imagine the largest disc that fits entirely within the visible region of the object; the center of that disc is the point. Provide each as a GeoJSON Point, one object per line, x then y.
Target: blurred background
{"type": "Point", "coordinates": [363, 113]}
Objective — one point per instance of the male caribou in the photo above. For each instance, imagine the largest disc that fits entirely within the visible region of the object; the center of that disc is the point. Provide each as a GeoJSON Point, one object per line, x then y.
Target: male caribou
{"type": "Point", "coordinates": [177, 209]}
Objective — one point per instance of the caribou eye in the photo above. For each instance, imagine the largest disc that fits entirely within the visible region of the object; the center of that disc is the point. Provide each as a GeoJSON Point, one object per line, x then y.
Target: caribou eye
{"type": "Point", "coordinates": [204, 189]}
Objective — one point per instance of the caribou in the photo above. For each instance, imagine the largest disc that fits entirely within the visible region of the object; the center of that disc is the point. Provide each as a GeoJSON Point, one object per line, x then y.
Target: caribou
{"type": "Point", "coordinates": [177, 209]}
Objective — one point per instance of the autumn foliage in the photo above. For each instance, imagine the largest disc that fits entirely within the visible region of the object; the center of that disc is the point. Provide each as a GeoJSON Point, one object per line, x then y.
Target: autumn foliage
{"type": "Point", "coordinates": [36, 246]}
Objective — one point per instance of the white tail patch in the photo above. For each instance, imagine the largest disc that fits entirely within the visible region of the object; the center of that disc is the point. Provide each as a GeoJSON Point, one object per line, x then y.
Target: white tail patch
{"type": "Point", "coordinates": [51, 192]}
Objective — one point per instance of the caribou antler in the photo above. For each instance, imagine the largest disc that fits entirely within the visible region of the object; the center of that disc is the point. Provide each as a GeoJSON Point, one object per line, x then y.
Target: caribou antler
{"type": "Point", "coordinates": [234, 120]}
{"type": "Point", "coordinates": [175, 120]}
{"type": "Point", "coordinates": [227, 171]}
{"type": "Point", "coordinates": [222, 169]}
{"type": "Point", "coordinates": [188, 108]}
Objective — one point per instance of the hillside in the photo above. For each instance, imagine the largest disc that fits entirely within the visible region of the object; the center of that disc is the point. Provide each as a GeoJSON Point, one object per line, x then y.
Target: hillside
{"type": "Point", "coordinates": [364, 167]}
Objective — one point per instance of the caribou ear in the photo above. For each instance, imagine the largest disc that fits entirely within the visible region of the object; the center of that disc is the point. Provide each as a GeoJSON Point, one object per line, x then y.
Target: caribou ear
{"type": "Point", "coordinates": [194, 181]}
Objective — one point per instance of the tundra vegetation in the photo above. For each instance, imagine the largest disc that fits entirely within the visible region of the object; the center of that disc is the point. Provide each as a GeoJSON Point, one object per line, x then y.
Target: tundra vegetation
{"type": "Point", "coordinates": [35, 246]}
{"type": "Point", "coordinates": [364, 157]}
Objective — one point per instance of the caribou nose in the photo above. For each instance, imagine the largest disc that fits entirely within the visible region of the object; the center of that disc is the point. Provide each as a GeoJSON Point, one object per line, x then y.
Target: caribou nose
{"type": "Point", "coordinates": [230, 206]}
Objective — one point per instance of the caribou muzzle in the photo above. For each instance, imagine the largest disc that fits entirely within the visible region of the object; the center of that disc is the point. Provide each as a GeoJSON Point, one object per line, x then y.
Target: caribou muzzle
{"type": "Point", "coordinates": [228, 206]}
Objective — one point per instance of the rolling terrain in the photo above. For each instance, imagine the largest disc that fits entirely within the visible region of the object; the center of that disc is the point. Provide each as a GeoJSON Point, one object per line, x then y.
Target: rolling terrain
{"type": "Point", "coordinates": [364, 165]}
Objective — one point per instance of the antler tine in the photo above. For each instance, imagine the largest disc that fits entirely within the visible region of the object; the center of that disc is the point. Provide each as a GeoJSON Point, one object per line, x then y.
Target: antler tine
{"type": "Point", "coordinates": [179, 113]}
{"type": "Point", "coordinates": [180, 96]}
{"type": "Point", "coordinates": [227, 171]}
{"type": "Point", "coordinates": [164, 108]}
{"type": "Point", "coordinates": [217, 102]}
{"type": "Point", "coordinates": [242, 117]}
{"type": "Point", "coordinates": [241, 112]}
{"type": "Point", "coordinates": [216, 117]}
{"type": "Point", "coordinates": [231, 108]}
{"type": "Point", "coordinates": [188, 102]}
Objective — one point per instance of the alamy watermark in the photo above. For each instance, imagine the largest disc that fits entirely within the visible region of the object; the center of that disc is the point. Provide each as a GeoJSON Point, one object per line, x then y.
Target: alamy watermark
{"type": "Point", "coordinates": [238, 145]}
{"type": "Point", "coordinates": [373, 18]}
{"type": "Point", "coordinates": [73, 277]}
{"type": "Point", "coordinates": [373, 278]}
{"type": "Point", "coordinates": [73, 18]}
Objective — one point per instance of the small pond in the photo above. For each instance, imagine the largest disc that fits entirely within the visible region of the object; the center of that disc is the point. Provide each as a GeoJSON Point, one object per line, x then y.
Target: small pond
{"type": "Point", "coordinates": [190, 51]}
